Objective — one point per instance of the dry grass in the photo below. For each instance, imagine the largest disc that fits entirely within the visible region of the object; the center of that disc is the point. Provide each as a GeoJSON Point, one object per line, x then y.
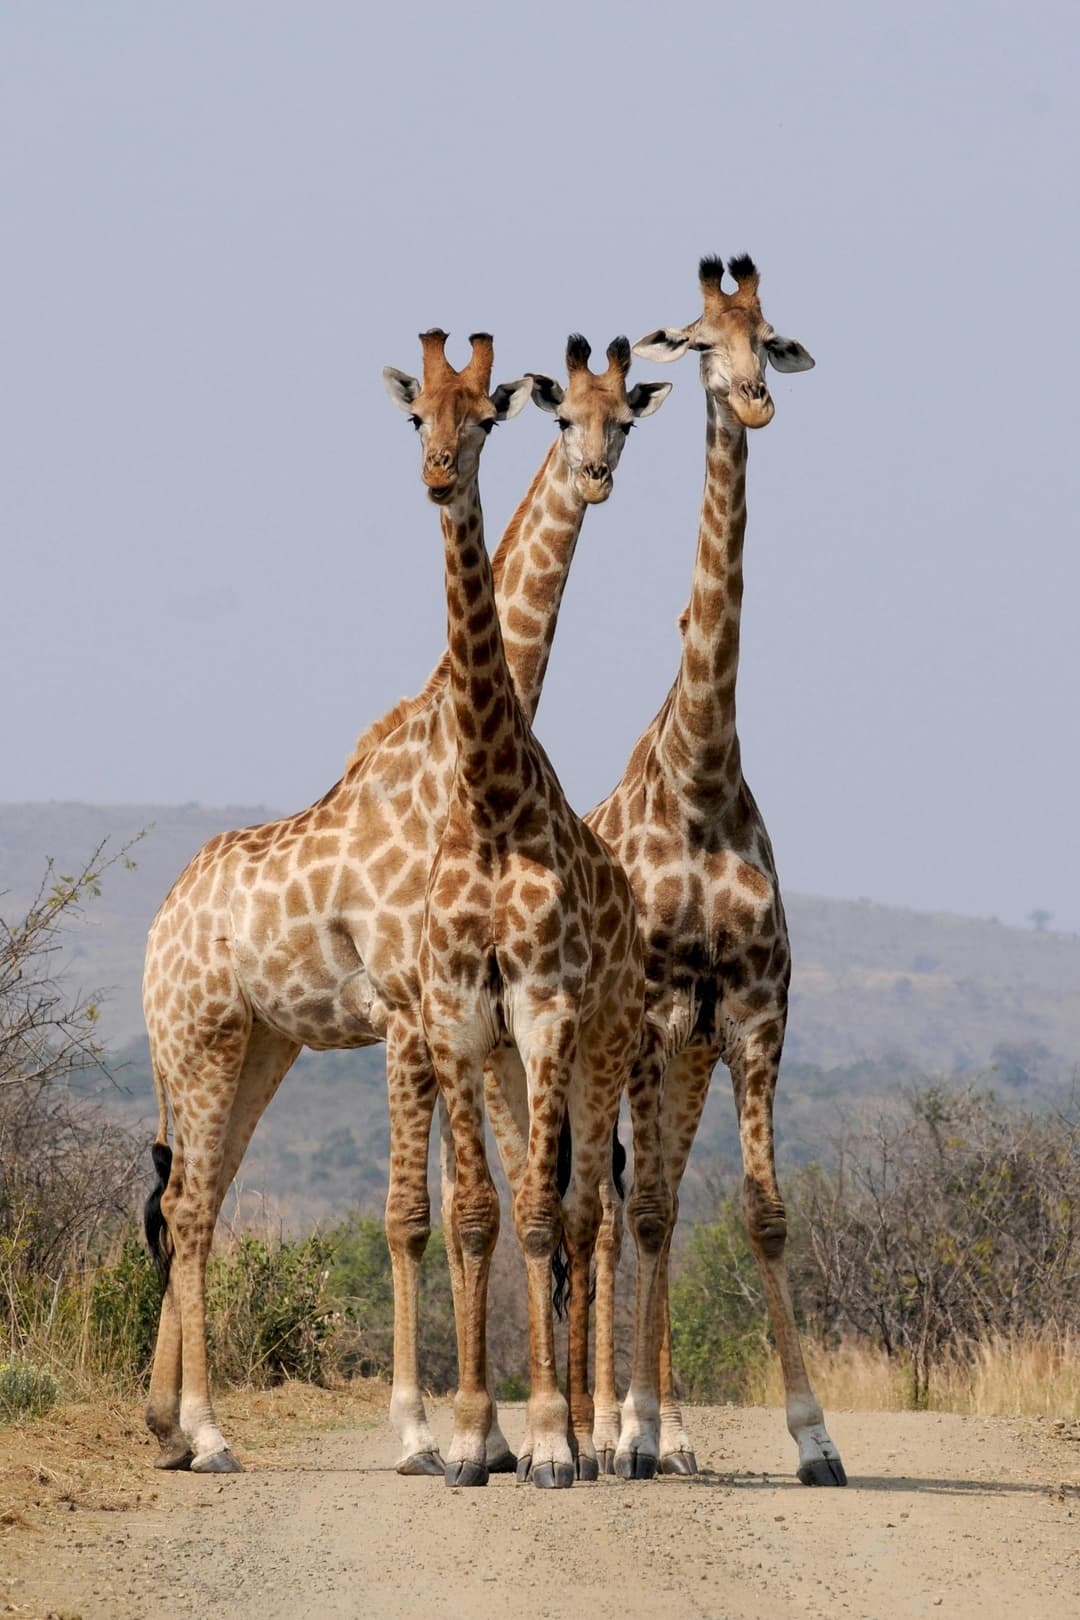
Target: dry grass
{"type": "Point", "coordinates": [999, 1378]}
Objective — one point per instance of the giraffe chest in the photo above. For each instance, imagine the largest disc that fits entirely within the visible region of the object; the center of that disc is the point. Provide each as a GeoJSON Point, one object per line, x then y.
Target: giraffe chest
{"type": "Point", "coordinates": [713, 933]}
{"type": "Point", "coordinates": [506, 927]}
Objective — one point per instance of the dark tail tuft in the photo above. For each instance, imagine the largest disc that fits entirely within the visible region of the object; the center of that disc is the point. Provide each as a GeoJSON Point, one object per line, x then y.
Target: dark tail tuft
{"type": "Point", "coordinates": [560, 1260]}
{"type": "Point", "coordinates": [618, 1163]}
{"type": "Point", "coordinates": [157, 1232]}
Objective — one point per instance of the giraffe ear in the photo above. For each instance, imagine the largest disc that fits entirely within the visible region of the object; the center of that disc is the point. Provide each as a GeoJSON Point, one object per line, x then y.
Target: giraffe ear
{"type": "Point", "coordinates": [787, 355]}
{"type": "Point", "coordinates": [646, 398]}
{"type": "Point", "coordinates": [508, 398]}
{"type": "Point", "coordinates": [402, 388]}
{"type": "Point", "coordinates": [546, 392]}
{"type": "Point", "coordinates": [666, 343]}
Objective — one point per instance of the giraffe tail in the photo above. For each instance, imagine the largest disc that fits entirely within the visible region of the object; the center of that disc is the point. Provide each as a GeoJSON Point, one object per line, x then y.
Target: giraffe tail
{"type": "Point", "coordinates": [154, 1224]}
{"type": "Point", "coordinates": [560, 1260]}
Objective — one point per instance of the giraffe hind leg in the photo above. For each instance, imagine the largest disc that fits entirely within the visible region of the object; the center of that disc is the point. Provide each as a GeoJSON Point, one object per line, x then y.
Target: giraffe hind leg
{"type": "Point", "coordinates": [164, 1418]}
{"type": "Point", "coordinates": [266, 1058]}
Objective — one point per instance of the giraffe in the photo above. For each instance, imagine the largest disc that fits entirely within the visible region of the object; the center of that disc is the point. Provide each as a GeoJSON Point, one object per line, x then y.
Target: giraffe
{"type": "Point", "coordinates": [685, 826]}
{"type": "Point", "coordinates": [529, 939]}
{"type": "Point", "coordinates": [304, 931]}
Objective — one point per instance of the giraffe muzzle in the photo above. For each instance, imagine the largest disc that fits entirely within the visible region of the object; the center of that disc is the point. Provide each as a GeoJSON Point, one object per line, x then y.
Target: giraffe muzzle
{"type": "Point", "coordinates": [594, 482]}
{"type": "Point", "coordinates": [440, 475]}
{"type": "Point", "coordinates": [752, 404]}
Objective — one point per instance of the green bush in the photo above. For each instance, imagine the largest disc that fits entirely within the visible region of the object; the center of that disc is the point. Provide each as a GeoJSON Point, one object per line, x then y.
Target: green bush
{"type": "Point", "coordinates": [512, 1388]}
{"type": "Point", "coordinates": [26, 1391]}
{"type": "Point", "coordinates": [125, 1302]}
{"type": "Point", "coordinates": [267, 1312]}
{"type": "Point", "coordinates": [718, 1314]}
{"type": "Point", "coordinates": [361, 1283]}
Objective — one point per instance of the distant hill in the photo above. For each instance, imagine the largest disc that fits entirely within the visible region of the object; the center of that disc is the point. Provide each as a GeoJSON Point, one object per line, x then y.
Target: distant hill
{"type": "Point", "coordinates": [880, 997]}
{"type": "Point", "coordinates": [870, 982]}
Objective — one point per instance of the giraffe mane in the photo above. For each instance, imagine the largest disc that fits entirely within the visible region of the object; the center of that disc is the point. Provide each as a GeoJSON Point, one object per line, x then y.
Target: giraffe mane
{"type": "Point", "coordinates": [380, 729]}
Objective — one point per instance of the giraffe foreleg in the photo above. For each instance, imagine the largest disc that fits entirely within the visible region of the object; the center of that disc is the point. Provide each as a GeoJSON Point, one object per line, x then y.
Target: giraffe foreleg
{"type": "Point", "coordinates": [754, 1059]}
{"type": "Point", "coordinates": [500, 1459]}
{"type": "Point", "coordinates": [649, 1214]}
{"type": "Point", "coordinates": [591, 1122]}
{"type": "Point", "coordinates": [412, 1092]}
{"type": "Point", "coordinates": [686, 1086]}
{"type": "Point", "coordinates": [475, 1210]}
{"type": "Point", "coordinates": [549, 1054]}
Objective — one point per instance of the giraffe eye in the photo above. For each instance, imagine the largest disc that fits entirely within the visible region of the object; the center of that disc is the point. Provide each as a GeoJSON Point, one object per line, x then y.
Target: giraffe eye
{"type": "Point", "coordinates": [415, 420]}
{"type": "Point", "coordinates": [561, 423]}
{"type": "Point", "coordinates": [486, 427]}
{"type": "Point", "coordinates": [624, 427]}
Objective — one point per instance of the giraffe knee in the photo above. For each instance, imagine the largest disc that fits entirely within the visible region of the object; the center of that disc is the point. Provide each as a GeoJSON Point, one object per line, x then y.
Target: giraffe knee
{"type": "Point", "coordinates": [651, 1218]}
{"type": "Point", "coordinates": [408, 1227]}
{"type": "Point", "coordinates": [476, 1219]}
{"type": "Point", "coordinates": [539, 1231]}
{"type": "Point", "coordinates": [766, 1221]}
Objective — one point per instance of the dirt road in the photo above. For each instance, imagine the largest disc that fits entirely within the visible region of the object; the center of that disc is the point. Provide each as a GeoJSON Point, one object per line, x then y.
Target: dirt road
{"type": "Point", "coordinates": [958, 1517]}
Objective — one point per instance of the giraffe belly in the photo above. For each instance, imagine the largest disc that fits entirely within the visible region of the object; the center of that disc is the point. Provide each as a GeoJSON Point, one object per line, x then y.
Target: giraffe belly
{"type": "Point", "coordinates": [317, 991]}
{"type": "Point", "coordinates": [326, 1017]}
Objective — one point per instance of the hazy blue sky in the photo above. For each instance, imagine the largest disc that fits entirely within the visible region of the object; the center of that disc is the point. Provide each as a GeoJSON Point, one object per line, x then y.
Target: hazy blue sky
{"type": "Point", "coordinates": [221, 220]}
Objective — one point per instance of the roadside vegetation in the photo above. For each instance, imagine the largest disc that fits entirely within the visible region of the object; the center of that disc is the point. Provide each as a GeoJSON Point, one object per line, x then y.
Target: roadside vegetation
{"type": "Point", "coordinates": [935, 1258]}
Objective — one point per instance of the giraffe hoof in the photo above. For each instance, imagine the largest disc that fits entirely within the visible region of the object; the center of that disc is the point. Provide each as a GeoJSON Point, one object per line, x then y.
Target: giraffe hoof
{"type": "Point", "coordinates": [466, 1473]}
{"type": "Point", "coordinates": [682, 1463]}
{"type": "Point", "coordinates": [635, 1465]}
{"type": "Point", "coordinates": [606, 1459]}
{"type": "Point", "coordinates": [824, 1471]}
{"type": "Point", "coordinates": [504, 1463]}
{"type": "Point", "coordinates": [553, 1476]}
{"type": "Point", "coordinates": [422, 1462]}
{"type": "Point", "coordinates": [175, 1457]}
{"type": "Point", "coordinates": [588, 1469]}
{"type": "Point", "coordinates": [524, 1469]}
{"type": "Point", "coordinates": [218, 1462]}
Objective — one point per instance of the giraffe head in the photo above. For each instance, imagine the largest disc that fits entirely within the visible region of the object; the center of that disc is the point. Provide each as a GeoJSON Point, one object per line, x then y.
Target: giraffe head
{"type": "Point", "coordinates": [453, 411]}
{"type": "Point", "coordinates": [735, 341]}
{"type": "Point", "coordinates": [595, 412]}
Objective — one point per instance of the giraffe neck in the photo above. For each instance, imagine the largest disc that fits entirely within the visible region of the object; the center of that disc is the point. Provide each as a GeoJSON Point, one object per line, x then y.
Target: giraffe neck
{"type": "Point", "coordinates": [698, 744]}
{"type": "Point", "coordinates": [530, 568]}
{"type": "Point", "coordinates": [487, 717]}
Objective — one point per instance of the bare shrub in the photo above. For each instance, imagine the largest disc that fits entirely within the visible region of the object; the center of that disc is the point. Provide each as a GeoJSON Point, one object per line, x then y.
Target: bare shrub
{"type": "Point", "coordinates": [952, 1223]}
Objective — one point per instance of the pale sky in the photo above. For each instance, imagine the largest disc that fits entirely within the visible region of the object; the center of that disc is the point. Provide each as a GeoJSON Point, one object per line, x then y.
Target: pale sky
{"type": "Point", "coordinates": [222, 219]}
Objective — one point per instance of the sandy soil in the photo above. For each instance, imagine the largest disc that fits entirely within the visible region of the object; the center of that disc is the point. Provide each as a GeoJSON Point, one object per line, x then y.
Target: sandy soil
{"type": "Point", "coordinates": [944, 1515]}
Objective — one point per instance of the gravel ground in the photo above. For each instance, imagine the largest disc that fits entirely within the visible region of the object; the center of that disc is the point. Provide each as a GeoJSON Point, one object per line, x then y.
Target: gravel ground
{"type": "Point", "coordinates": [944, 1515]}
